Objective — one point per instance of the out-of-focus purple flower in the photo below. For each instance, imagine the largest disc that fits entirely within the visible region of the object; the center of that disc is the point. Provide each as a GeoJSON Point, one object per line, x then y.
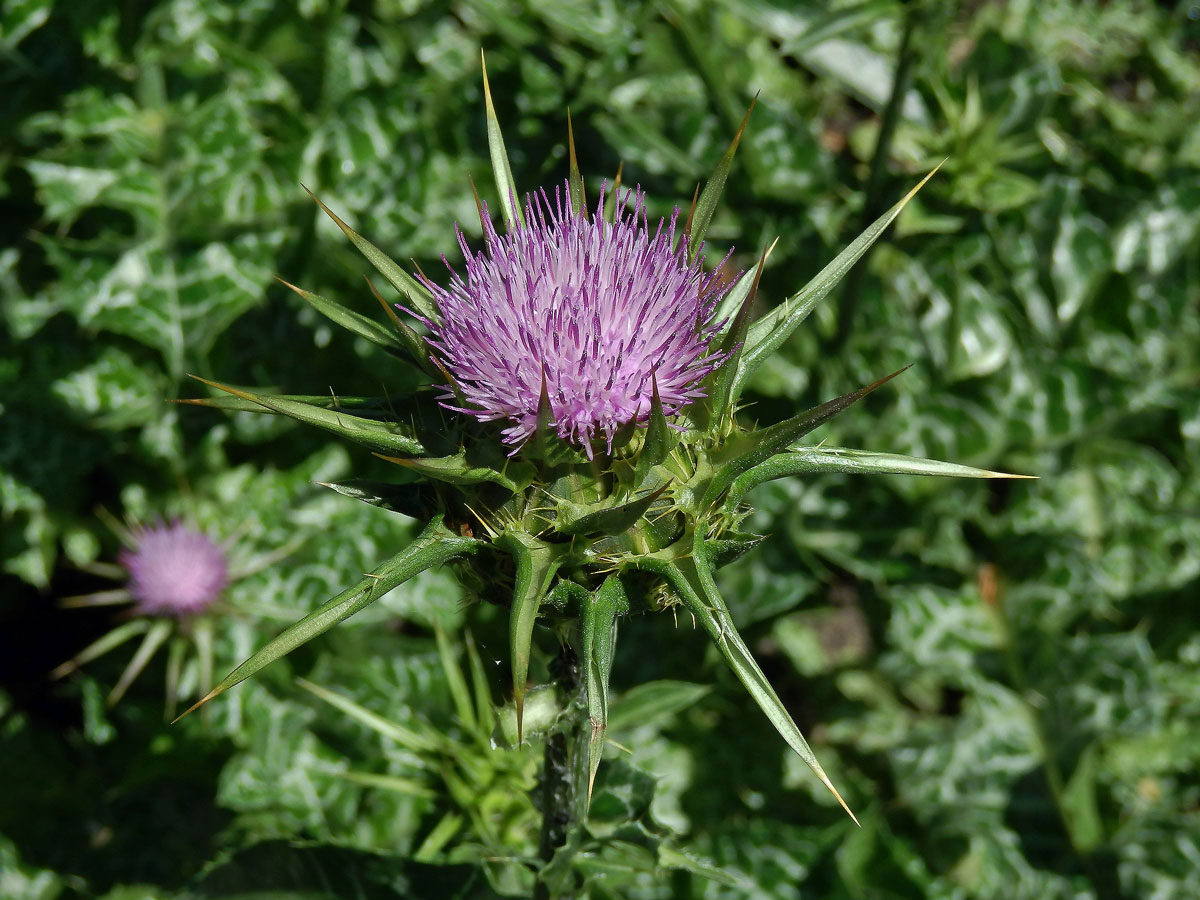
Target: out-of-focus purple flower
{"type": "Point", "coordinates": [594, 308]}
{"type": "Point", "coordinates": [174, 570]}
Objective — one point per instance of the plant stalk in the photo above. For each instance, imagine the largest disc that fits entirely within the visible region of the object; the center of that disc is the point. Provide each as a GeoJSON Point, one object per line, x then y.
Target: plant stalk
{"type": "Point", "coordinates": [1104, 884]}
{"type": "Point", "coordinates": [563, 782]}
{"type": "Point", "coordinates": [874, 202]}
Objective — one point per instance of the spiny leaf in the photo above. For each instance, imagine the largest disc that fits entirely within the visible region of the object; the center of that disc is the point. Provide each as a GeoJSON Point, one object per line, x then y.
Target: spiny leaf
{"type": "Point", "coordinates": [544, 433]}
{"type": "Point", "coordinates": [352, 405]}
{"type": "Point", "coordinates": [102, 645]}
{"type": "Point", "coordinates": [567, 597]}
{"type": "Point", "coordinates": [417, 501]}
{"type": "Point", "coordinates": [720, 399]}
{"type": "Point", "coordinates": [412, 342]}
{"type": "Point", "coordinates": [369, 433]}
{"type": "Point", "coordinates": [202, 638]}
{"type": "Point", "coordinates": [599, 637]}
{"type": "Point", "coordinates": [352, 321]}
{"type": "Point", "coordinates": [691, 578]}
{"type": "Point", "coordinates": [610, 209]}
{"type": "Point", "coordinates": [574, 179]}
{"type": "Point", "coordinates": [757, 446]}
{"type": "Point", "coordinates": [418, 295]}
{"type": "Point", "coordinates": [155, 637]}
{"type": "Point", "coordinates": [547, 446]}
{"type": "Point", "coordinates": [457, 470]}
{"type": "Point", "coordinates": [687, 225]}
{"type": "Point", "coordinates": [449, 379]}
{"type": "Point", "coordinates": [659, 439]}
{"type": "Point", "coordinates": [434, 546]}
{"type": "Point", "coordinates": [176, 651]}
{"type": "Point", "coordinates": [542, 709]}
{"type": "Point", "coordinates": [478, 205]}
{"type": "Point", "coordinates": [536, 565]}
{"type": "Point", "coordinates": [731, 546]}
{"type": "Point", "coordinates": [814, 460]}
{"type": "Point", "coordinates": [505, 186]}
{"type": "Point", "coordinates": [578, 520]}
{"type": "Point", "coordinates": [728, 308]}
{"type": "Point", "coordinates": [711, 196]}
{"type": "Point", "coordinates": [769, 332]}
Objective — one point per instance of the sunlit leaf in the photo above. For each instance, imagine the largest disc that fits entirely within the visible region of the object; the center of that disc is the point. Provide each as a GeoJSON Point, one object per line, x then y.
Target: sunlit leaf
{"type": "Point", "coordinates": [816, 460]}
{"type": "Point", "coordinates": [769, 333]}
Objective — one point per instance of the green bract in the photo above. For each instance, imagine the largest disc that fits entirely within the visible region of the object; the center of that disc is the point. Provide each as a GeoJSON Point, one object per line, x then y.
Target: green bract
{"type": "Point", "coordinates": [570, 542]}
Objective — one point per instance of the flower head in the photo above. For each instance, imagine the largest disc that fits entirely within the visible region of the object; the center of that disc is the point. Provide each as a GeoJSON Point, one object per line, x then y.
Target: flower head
{"type": "Point", "coordinates": [597, 311]}
{"type": "Point", "coordinates": [174, 570]}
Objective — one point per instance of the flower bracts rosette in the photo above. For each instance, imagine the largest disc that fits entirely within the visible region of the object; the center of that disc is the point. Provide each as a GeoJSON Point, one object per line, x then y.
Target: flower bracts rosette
{"type": "Point", "coordinates": [594, 466]}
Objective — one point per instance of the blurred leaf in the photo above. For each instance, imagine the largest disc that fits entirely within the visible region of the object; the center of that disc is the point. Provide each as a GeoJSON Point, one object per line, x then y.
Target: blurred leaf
{"type": "Point", "coordinates": [24, 882]}
{"type": "Point", "coordinates": [21, 18]}
{"type": "Point", "coordinates": [654, 702]}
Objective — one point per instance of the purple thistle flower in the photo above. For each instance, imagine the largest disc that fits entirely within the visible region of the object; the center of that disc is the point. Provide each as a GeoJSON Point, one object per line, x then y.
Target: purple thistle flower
{"type": "Point", "coordinates": [174, 570]}
{"type": "Point", "coordinates": [594, 308]}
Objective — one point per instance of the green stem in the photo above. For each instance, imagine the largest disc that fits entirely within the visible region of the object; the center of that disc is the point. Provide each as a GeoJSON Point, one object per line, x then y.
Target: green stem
{"type": "Point", "coordinates": [1052, 771]}
{"type": "Point", "coordinates": [563, 783]}
{"type": "Point", "coordinates": [875, 202]}
{"type": "Point", "coordinates": [153, 96]}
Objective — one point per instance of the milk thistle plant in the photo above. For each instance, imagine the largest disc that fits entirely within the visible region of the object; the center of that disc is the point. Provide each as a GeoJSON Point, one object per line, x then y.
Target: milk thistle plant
{"type": "Point", "coordinates": [578, 457]}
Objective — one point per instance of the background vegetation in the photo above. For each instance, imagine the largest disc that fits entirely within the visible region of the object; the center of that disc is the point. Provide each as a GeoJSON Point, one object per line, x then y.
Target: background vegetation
{"type": "Point", "coordinates": [1003, 678]}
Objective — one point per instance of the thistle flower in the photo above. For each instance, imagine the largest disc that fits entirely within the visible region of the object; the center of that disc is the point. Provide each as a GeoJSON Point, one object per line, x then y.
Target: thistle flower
{"type": "Point", "coordinates": [567, 328]}
{"type": "Point", "coordinates": [174, 570]}
{"type": "Point", "coordinates": [174, 578]}
{"type": "Point", "coordinates": [590, 311]}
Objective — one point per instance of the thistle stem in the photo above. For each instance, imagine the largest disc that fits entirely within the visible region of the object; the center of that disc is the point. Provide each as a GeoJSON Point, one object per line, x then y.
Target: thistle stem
{"type": "Point", "coordinates": [1093, 866]}
{"type": "Point", "coordinates": [874, 202]}
{"type": "Point", "coordinates": [563, 783]}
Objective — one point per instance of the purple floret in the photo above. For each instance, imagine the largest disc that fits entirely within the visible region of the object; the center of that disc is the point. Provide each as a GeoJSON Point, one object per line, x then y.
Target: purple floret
{"type": "Point", "coordinates": [174, 570]}
{"type": "Point", "coordinates": [592, 307]}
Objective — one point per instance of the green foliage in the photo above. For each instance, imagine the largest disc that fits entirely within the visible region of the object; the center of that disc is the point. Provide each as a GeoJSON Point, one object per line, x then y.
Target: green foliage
{"type": "Point", "coordinates": [1002, 678]}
